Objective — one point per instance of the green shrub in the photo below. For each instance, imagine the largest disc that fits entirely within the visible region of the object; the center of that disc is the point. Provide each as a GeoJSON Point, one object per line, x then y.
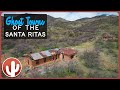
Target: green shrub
{"type": "Point", "coordinates": [7, 44]}
{"type": "Point", "coordinates": [106, 44]}
{"type": "Point", "coordinates": [63, 71]}
{"type": "Point", "coordinates": [102, 74]}
{"type": "Point", "coordinates": [21, 49]}
{"type": "Point", "coordinates": [91, 59]}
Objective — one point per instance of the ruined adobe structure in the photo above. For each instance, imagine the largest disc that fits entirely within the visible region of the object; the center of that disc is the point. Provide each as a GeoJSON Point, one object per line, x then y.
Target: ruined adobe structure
{"type": "Point", "coordinates": [35, 59]}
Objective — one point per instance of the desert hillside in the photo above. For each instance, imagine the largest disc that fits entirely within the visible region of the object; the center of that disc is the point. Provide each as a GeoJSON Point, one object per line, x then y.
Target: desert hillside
{"type": "Point", "coordinates": [96, 56]}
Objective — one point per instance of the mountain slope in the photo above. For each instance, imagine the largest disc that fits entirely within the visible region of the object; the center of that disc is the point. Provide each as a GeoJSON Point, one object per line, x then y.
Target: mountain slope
{"type": "Point", "coordinates": [96, 57]}
{"type": "Point", "coordinates": [62, 33]}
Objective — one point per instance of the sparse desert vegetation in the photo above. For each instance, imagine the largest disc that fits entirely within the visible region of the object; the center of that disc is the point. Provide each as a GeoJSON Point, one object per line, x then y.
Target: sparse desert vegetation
{"type": "Point", "coordinates": [96, 58]}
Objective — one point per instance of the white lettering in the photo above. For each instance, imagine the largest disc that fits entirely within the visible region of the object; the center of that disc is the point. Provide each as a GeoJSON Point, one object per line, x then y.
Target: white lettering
{"type": "Point", "coordinates": [15, 34]}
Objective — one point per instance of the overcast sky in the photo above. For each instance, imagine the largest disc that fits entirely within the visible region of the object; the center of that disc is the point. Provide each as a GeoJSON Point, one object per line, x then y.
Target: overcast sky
{"type": "Point", "coordinates": [71, 16]}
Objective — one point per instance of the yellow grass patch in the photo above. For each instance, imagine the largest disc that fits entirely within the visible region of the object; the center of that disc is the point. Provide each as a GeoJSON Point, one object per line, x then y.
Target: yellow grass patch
{"type": "Point", "coordinates": [106, 63]}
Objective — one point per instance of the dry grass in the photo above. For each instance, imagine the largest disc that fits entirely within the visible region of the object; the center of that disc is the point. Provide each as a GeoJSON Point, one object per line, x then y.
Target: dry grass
{"type": "Point", "coordinates": [106, 62]}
